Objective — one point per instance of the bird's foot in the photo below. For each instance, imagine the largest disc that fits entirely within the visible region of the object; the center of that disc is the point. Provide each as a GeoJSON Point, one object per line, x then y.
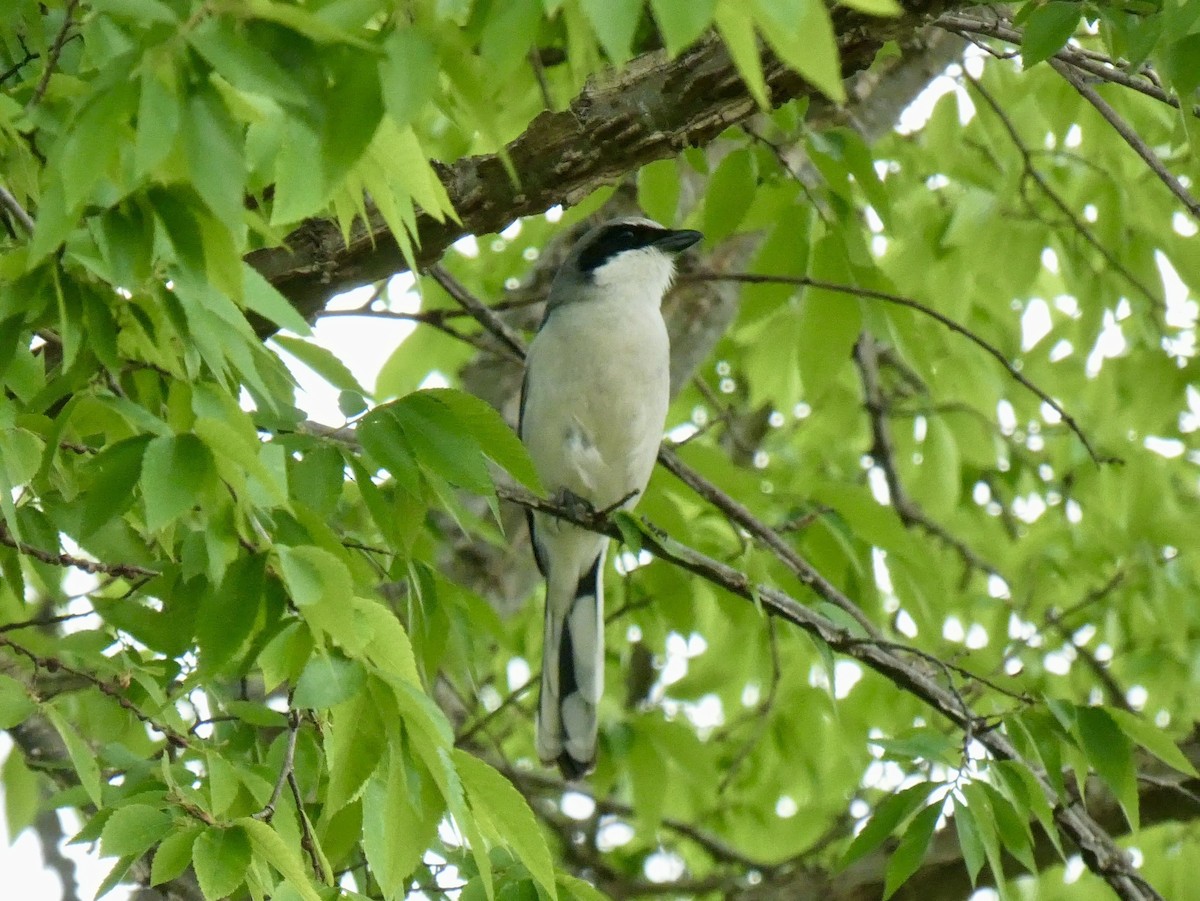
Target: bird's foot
{"type": "Point", "coordinates": [578, 508]}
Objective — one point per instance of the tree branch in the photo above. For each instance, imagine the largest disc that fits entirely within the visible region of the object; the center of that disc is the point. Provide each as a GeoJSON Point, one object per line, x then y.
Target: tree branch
{"type": "Point", "coordinates": [650, 110]}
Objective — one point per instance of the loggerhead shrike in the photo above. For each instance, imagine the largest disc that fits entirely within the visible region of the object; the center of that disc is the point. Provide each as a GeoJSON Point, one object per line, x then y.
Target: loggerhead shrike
{"type": "Point", "coordinates": [593, 407]}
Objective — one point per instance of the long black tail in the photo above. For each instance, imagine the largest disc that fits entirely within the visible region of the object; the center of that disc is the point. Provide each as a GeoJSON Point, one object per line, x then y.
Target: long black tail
{"type": "Point", "coordinates": [572, 673]}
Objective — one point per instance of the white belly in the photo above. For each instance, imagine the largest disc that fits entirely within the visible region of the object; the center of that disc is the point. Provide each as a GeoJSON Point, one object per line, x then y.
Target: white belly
{"type": "Point", "coordinates": [597, 395]}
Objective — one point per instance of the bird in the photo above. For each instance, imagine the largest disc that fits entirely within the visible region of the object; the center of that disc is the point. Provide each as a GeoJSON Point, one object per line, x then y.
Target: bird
{"type": "Point", "coordinates": [593, 410]}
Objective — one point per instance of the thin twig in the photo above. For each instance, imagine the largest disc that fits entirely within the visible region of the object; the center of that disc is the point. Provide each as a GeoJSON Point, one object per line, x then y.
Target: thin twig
{"type": "Point", "coordinates": [114, 691]}
{"type": "Point", "coordinates": [515, 695]}
{"type": "Point", "coordinates": [1040, 180]}
{"type": "Point", "coordinates": [127, 570]}
{"type": "Point", "coordinates": [286, 767]}
{"type": "Point", "coordinates": [55, 52]}
{"type": "Point", "coordinates": [898, 300]}
{"type": "Point", "coordinates": [10, 203]}
{"type": "Point", "coordinates": [910, 512]}
{"type": "Point", "coordinates": [307, 842]}
{"type": "Point", "coordinates": [1131, 137]}
{"type": "Point", "coordinates": [482, 313]}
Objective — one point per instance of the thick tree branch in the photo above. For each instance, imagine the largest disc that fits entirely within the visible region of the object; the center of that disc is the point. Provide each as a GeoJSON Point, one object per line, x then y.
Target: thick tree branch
{"type": "Point", "coordinates": [650, 110]}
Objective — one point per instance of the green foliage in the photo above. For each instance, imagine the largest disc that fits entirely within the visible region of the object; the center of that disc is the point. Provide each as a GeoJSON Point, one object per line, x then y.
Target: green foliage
{"type": "Point", "coordinates": [289, 657]}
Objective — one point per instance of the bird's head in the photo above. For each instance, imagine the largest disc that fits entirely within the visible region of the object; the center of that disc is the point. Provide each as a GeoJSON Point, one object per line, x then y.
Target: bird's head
{"type": "Point", "coordinates": [628, 253]}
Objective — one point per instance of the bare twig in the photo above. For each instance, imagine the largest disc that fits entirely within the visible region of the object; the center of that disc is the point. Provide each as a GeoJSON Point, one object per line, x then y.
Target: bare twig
{"type": "Point", "coordinates": [1131, 137]}
{"type": "Point", "coordinates": [484, 314]}
{"type": "Point", "coordinates": [10, 203]}
{"type": "Point", "coordinates": [286, 767]}
{"type": "Point", "coordinates": [1098, 850]}
{"type": "Point", "coordinates": [127, 570]}
{"type": "Point", "coordinates": [898, 300]}
{"type": "Point", "coordinates": [55, 52]}
{"type": "Point", "coordinates": [1040, 180]}
{"type": "Point", "coordinates": [910, 512]}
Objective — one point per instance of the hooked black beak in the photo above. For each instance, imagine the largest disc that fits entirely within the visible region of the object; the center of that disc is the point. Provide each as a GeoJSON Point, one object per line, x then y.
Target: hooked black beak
{"type": "Point", "coordinates": [674, 241]}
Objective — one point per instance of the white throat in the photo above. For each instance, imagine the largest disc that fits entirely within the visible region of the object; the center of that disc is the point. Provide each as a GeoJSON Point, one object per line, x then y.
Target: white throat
{"type": "Point", "coordinates": [645, 273]}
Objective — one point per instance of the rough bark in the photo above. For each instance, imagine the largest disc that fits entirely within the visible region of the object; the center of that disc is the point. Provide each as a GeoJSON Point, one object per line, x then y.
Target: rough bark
{"type": "Point", "coordinates": [650, 110]}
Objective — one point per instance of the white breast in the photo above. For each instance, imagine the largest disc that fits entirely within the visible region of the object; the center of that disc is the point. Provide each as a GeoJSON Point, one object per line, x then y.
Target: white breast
{"type": "Point", "coordinates": [597, 394]}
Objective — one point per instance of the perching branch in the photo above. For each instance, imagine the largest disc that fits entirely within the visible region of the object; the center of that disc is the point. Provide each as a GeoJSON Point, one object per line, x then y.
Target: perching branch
{"type": "Point", "coordinates": [1098, 850]}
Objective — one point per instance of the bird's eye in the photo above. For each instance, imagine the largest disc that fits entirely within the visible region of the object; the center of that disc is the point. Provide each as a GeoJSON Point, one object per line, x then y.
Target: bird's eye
{"type": "Point", "coordinates": [626, 236]}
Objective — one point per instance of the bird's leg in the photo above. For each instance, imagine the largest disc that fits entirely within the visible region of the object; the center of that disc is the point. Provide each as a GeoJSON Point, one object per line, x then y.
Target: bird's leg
{"type": "Point", "coordinates": [578, 508]}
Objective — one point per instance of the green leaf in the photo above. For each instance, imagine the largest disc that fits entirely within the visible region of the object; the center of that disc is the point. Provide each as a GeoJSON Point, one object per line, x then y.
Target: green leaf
{"type": "Point", "coordinates": [328, 681]}
{"type": "Point", "coordinates": [911, 850]}
{"type": "Point", "coordinates": [261, 296]}
{"type": "Point", "coordinates": [737, 30]}
{"type": "Point", "coordinates": [15, 703]}
{"type": "Point", "coordinates": [213, 143]}
{"type": "Point", "coordinates": [174, 469]}
{"type": "Point", "coordinates": [658, 190]}
{"type": "Point", "coordinates": [938, 486]}
{"type": "Point", "coordinates": [802, 34]}
{"type": "Point", "coordinates": [111, 476]}
{"type": "Point", "coordinates": [354, 744]}
{"type": "Point", "coordinates": [173, 855]}
{"type": "Point", "coordinates": [875, 7]}
{"type": "Point", "coordinates": [682, 23]}
{"type": "Point", "coordinates": [1110, 753]}
{"type": "Point", "coordinates": [228, 613]}
{"type": "Point", "coordinates": [132, 830]}
{"type": "Point", "coordinates": [489, 429]}
{"type": "Point", "coordinates": [969, 840]}
{"type": "Point", "coordinates": [408, 73]}
{"type": "Point", "coordinates": [400, 818]}
{"type": "Point", "coordinates": [442, 443]}
{"type": "Point", "coordinates": [159, 110]}
{"type": "Point", "coordinates": [730, 192]}
{"type": "Point", "coordinates": [271, 847]}
{"type": "Point", "coordinates": [313, 574]}
{"type": "Point", "coordinates": [1153, 739]}
{"type": "Point", "coordinates": [22, 795]}
{"type": "Point", "coordinates": [321, 361]}
{"type": "Point", "coordinates": [82, 757]}
{"type": "Point", "coordinates": [494, 798]}
{"type": "Point", "coordinates": [221, 856]}
{"type": "Point", "coordinates": [615, 22]}
{"type": "Point", "coordinates": [889, 813]}
{"type": "Point", "coordinates": [1047, 30]}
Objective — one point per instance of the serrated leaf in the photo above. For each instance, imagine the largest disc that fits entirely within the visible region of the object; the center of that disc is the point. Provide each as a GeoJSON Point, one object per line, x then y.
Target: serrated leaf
{"type": "Point", "coordinates": [1047, 30]}
{"type": "Point", "coordinates": [680, 24]}
{"type": "Point", "coordinates": [221, 856]}
{"type": "Point", "coordinates": [271, 847]}
{"type": "Point", "coordinates": [442, 443]}
{"type": "Point", "coordinates": [731, 190]}
{"type": "Point", "coordinates": [1110, 753]}
{"type": "Point", "coordinates": [614, 22]}
{"type": "Point", "coordinates": [408, 74]}
{"type": "Point", "coordinates": [489, 429]}
{"type": "Point", "coordinates": [132, 830]}
{"type": "Point", "coordinates": [261, 296]}
{"type": "Point", "coordinates": [82, 757]}
{"type": "Point", "coordinates": [173, 469]}
{"type": "Point", "coordinates": [173, 855]}
{"type": "Point", "coordinates": [15, 703]}
{"type": "Point", "coordinates": [737, 30]}
{"type": "Point", "coordinates": [911, 850]}
{"type": "Point", "coordinates": [889, 813]}
{"type": "Point", "coordinates": [969, 841]}
{"type": "Point", "coordinates": [801, 32]}
{"type": "Point", "coordinates": [494, 797]}
{"type": "Point", "coordinates": [321, 361]}
{"type": "Point", "coordinates": [1154, 740]}
{"type": "Point", "coordinates": [313, 574]}
{"type": "Point", "coordinates": [354, 744]}
{"type": "Point", "coordinates": [328, 681]}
